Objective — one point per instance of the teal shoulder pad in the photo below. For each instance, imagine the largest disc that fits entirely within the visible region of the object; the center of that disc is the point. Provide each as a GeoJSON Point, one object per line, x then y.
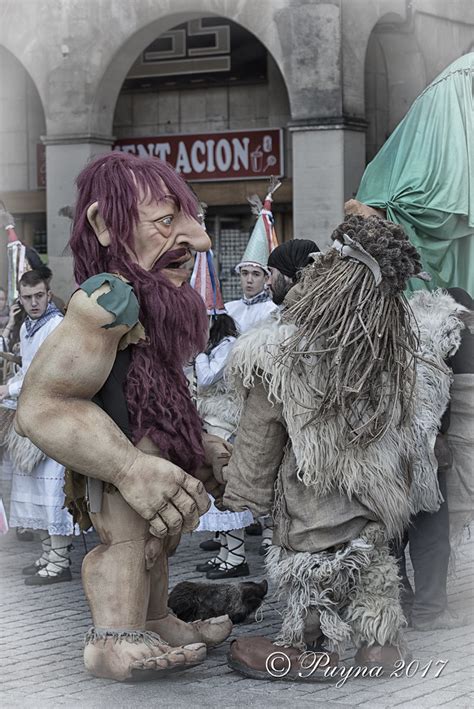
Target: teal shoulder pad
{"type": "Point", "coordinates": [121, 301]}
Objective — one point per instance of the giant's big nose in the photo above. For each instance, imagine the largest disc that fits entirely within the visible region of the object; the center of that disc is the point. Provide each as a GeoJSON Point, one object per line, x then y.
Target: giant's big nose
{"type": "Point", "coordinates": [190, 233]}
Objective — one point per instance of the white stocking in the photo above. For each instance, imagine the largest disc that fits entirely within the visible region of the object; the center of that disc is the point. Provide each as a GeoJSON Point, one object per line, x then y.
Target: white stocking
{"type": "Point", "coordinates": [235, 549]}
{"type": "Point", "coordinates": [222, 555]}
{"type": "Point", "coordinates": [45, 548]}
{"type": "Point", "coordinates": [59, 557]}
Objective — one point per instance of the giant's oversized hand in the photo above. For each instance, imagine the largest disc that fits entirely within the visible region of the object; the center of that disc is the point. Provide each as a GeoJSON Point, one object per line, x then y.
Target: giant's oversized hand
{"type": "Point", "coordinates": [164, 494]}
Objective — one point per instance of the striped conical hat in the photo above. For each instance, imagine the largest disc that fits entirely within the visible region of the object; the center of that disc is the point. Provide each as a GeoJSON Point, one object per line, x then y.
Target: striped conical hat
{"type": "Point", "coordinates": [263, 238]}
{"type": "Point", "coordinates": [204, 280]}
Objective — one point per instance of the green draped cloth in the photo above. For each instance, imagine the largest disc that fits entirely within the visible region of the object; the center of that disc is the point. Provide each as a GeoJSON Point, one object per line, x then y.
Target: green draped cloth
{"type": "Point", "coordinates": [423, 177]}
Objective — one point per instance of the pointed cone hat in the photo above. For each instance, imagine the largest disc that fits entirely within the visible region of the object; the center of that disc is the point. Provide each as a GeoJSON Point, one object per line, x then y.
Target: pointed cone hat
{"type": "Point", "coordinates": [263, 238]}
{"type": "Point", "coordinates": [204, 281]}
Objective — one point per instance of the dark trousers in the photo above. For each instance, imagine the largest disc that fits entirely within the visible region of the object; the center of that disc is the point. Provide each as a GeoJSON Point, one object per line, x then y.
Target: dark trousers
{"type": "Point", "coordinates": [428, 541]}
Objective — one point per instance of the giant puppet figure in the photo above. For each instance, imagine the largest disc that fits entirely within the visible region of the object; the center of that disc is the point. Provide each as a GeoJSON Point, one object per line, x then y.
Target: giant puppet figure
{"type": "Point", "coordinates": [421, 177]}
{"type": "Point", "coordinates": [107, 397]}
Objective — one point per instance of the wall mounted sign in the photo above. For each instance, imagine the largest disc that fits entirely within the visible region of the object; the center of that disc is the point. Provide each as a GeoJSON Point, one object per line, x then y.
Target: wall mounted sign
{"type": "Point", "coordinates": [225, 155]}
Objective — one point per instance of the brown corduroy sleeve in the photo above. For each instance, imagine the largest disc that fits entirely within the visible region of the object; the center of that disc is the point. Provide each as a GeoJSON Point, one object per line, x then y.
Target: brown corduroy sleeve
{"type": "Point", "coordinates": [257, 455]}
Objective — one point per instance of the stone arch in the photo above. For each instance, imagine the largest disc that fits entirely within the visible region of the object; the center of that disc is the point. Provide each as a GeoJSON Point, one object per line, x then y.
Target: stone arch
{"type": "Point", "coordinates": [358, 22]}
{"type": "Point", "coordinates": [23, 123]}
{"type": "Point", "coordinates": [394, 75]}
{"type": "Point", "coordinates": [110, 83]}
{"type": "Point", "coordinates": [21, 126]}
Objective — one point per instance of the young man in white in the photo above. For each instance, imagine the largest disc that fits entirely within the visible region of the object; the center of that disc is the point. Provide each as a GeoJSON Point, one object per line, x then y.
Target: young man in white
{"type": "Point", "coordinates": [37, 496]}
{"type": "Point", "coordinates": [256, 303]}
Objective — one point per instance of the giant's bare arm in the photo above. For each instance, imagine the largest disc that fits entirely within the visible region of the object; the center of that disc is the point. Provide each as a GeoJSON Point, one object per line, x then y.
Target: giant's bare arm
{"type": "Point", "coordinates": [56, 412]}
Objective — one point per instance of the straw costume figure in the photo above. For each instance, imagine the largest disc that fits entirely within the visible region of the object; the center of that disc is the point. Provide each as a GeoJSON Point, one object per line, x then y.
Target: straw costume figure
{"type": "Point", "coordinates": [107, 397]}
{"type": "Point", "coordinates": [337, 453]}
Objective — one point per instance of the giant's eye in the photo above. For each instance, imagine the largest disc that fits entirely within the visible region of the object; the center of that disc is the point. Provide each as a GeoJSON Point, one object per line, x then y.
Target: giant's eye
{"type": "Point", "coordinates": [166, 221]}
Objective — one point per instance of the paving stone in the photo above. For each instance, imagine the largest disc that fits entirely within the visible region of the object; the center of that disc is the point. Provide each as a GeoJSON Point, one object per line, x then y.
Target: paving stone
{"type": "Point", "coordinates": [43, 629]}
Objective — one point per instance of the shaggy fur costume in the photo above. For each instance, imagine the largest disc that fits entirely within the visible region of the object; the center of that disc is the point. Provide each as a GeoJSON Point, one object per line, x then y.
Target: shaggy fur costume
{"type": "Point", "coordinates": [437, 317]}
{"type": "Point", "coordinates": [372, 474]}
{"type": "Point", "coordinates": [217, 403]}
{"type": "Point", "coordinates": [353, 587]}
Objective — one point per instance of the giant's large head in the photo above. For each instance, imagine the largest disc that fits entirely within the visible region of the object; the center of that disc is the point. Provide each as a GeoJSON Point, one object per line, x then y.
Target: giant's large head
{"type": "Point", "coordinates": [137, 217]}
{"type": "Point", "coordinates": [134, 210]}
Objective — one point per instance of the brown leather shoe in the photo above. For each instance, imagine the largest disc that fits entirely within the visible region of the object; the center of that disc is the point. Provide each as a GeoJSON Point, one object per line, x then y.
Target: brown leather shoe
{"type": "Point", "coordinates": [259, 658]}
{"type": "Point", "coordinates": [385, 656]}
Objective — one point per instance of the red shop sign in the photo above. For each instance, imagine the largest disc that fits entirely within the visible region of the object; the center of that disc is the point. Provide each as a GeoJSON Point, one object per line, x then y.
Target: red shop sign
{"type": "Point", "coordinates": [205, 157]}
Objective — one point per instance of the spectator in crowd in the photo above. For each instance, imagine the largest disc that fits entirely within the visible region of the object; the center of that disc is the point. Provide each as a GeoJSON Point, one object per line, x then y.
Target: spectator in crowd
{"type": "Point", "coordinates": [10, 345]}
{"type": "Point", "coordinates": [4, 310]}
{"type": "Point", "coordinates": [219, 411]}
{"type": "Point", "coordinates": [285, 264]}
{"type": "Point", "coordinates": [460, 434]}
{"type": "Point", "coordinates": [256, 304]}
{"type": "Point", "coordinates": [10, 334]}
{"type": "Point", "coordinates": [253, 307]}
{"type": "Point", "coordinates": [37, 484]}
{"type": "Point", "coordinates": [428, 535]}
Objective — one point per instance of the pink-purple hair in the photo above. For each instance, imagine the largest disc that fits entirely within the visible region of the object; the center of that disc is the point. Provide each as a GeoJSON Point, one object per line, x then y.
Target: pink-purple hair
{"type": "Point", "coordinates": [174, 319]}
{"type": "Point", "coordinates": [117, 181]}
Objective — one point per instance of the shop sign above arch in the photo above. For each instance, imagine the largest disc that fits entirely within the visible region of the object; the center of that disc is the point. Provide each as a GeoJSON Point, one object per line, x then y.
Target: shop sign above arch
{"type": "Point", "coordinates": [224, 155]}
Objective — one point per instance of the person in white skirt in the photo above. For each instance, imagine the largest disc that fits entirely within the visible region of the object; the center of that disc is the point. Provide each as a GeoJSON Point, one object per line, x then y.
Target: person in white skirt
{"type": "Point", "coordinates": [37, 496]}
{"type": "Point", "coordinates": [219, 412]}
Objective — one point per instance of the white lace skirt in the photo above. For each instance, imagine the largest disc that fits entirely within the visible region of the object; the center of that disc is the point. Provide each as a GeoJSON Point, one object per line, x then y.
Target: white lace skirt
{"type": "Point", "coordinates": [37, 499]}
{"type": "Point", "coordinates": [216, 521]}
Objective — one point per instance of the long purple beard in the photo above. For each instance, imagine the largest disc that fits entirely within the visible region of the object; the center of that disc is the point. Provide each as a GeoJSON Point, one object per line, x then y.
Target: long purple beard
{"type": "Point", "coordinates": [157, 392]}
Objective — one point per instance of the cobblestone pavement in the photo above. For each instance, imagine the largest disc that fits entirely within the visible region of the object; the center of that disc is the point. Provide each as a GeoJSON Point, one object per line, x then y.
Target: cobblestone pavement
{"type": "Point", "coordinates": [43, 629]}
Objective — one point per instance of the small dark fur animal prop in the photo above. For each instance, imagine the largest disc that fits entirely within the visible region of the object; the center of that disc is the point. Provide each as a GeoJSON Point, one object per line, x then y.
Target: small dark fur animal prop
{"type": "Point", "coordinates": [200, 601]}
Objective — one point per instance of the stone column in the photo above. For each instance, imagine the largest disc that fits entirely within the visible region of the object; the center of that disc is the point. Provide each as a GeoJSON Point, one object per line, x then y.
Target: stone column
{"type": "Point", "coordinates": [66, 155]}
{"type": "Point", "coordinates": [328, 163]}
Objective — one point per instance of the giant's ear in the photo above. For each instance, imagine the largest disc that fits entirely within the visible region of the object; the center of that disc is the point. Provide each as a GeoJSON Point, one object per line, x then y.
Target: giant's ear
{"type": "Point", "coordinates": [98, 224]}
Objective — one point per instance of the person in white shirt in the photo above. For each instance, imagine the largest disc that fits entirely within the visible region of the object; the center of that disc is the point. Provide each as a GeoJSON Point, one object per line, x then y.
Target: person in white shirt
{"type": "Point", "coordinates": [37, 496]}
{"type": "Point", "coordinates": [256, 303]}
{"type": "Point", "coordinates": [219, 411]}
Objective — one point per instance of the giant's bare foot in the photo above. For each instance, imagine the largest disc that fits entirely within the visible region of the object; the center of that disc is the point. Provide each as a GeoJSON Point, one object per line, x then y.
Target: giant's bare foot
{"type": "Point", "coordinates": [137, 655]}
{"type": "Point", "coordinates": [212, 632]}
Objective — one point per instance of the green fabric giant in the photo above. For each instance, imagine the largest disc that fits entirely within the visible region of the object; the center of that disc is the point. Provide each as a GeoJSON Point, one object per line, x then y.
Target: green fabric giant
{"type": "Point", "coordinates": [423, 177]}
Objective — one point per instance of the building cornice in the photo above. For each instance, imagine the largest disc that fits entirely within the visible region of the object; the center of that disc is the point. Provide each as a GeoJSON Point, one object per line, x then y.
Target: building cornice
{"type": "Point", "coordinates": [77, 139]}
{"type": "Point", "coordinates": [328, 123]}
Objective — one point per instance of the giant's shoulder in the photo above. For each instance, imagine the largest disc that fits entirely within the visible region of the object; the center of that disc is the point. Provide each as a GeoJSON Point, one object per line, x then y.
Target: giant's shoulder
{"type": "Point", "coordinates": [105, 300]}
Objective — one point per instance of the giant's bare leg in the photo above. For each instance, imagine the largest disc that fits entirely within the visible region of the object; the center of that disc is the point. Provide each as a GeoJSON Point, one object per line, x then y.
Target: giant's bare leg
{"type": "Point", "coordinates": [159, 619]}
{"type": "Point", "coordinates": [175, 631]}
{"type": "Point", "coordinates": [117, 586]}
